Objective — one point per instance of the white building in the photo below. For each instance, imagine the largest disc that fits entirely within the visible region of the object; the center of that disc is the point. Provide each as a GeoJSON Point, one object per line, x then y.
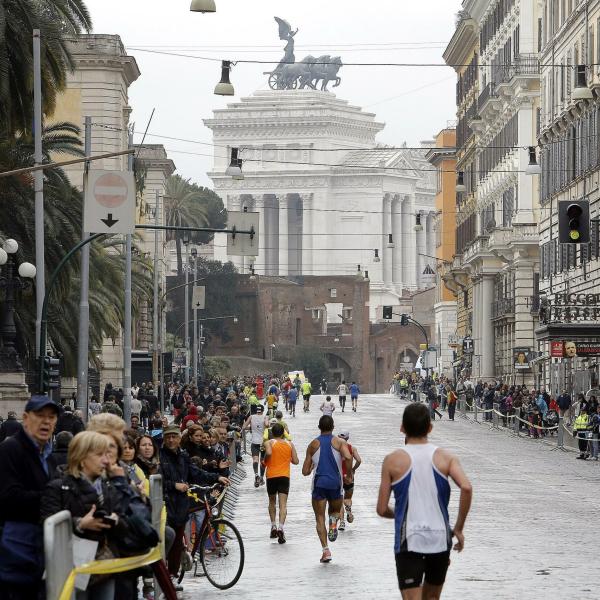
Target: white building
{"type": "Point", "coordinates": [330, 198]}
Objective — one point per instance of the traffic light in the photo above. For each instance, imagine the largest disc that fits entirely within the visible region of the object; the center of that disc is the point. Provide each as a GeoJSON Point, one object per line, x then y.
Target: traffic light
{"type": "Point", "coordinates": [404, 320]}
{"type": "Point", "coordinates": [50, 374]}
{"type": "Point", "coordinates": [387, 312]}
{"type": "Point", "coordinates": [574, 221]}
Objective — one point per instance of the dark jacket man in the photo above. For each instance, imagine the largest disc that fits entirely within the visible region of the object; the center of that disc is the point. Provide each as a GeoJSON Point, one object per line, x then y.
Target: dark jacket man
{"type": "Point", "coordinates": [69, 422]}
{"type": "Point", "coordinates": [10, 426]}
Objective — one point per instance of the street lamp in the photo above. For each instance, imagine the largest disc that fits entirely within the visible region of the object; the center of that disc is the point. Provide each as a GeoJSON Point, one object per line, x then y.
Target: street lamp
{"type": "Point", "coordinates": [11, 282]}
{"type": "Point", "coordinates": [203, 6]}
{"type": "Point", "coordinates": [376, 257]}
{"type": "Point", "coordinates": [224, 87]}
{"type": "Point", "coordinates": [533, 168]}
{"type": "Point", "coordinates": [185, 238]}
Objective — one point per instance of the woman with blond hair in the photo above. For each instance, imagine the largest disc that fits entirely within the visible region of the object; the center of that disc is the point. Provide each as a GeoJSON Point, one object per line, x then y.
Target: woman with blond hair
{"type": "Point", "coordinates": [94, 502]}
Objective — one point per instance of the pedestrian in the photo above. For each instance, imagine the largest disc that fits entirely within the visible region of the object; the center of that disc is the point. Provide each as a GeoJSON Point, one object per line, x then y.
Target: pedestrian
{"type": "Point", "coordinates": [342, 392]}
{"type": "Point", "coordinates": [10, 426]}
{"type": "Point", "coordinates": [256, 424]}
{"type": "Point", "coordinates": [95, 408]}
{"type": "Point", "coordinates": [580, 429]}
{"type": "Point", "coordinates": [354, 391]}
{"type": "Point", "coordinates": [69, 422]}
{"type": "Point", "coordinates": [26, 466]}
{"type": "Point", "coordinates": [418, 475]}
{"type": "Point", "coordinates": [324, 456]}
{"type": "Point", "coordinates": [327, 407]}
{"type": "Point", "coordinates": [291, 401]}
{"type": "Point", "coordinates": [61, 447]}
{"type": "Point", "coordinates": [279, 455]}
{"type": "Point", "coordinates": [451, 399]}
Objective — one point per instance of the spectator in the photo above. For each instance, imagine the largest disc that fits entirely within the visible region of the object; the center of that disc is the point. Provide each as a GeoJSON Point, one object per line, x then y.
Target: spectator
{"type": "Point", "coordinates": [10, 426]}
{"type": "Point", "coordinates": [95, 407]}
{"type": "Point", "coordinates": [26, 466]}
{"type": "Point", "coordinates": [69, 422]}
{"type": "Point", "coordinates": [580, 428]}
{"type": "Point", "coordinates": [61, 447]}
{"type": "Point", "coordinates": [192, 416]}
{"type": "Point", "coordinates": [136, 406]}
{"type": "Point", "coordinates": [110, 406]}
{"type": "Point", "coordinates": [146, 455]}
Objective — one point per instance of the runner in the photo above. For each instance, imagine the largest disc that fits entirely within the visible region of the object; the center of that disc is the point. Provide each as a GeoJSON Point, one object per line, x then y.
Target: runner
{"type": "Point", "coordinates": [279, 454]}
{"type": "Point", "coordinates": [256, 424]}
{"type": "Point", "coordinates": [342, 391]}
{"type": "Point", "coordinates": [306, 392]}
{"type": "Point", "coordinates": [418, 475]}
{"type": "Point", "coordinates": [349, 487]}
{"type": "Point", "coordinates": [323, 386]}
{"type": "Point", "coordinates": [328, 406]}
{"type": "Point", "coordinates": [271, 403]}
{"type": "Point", "coordinates": [291, 399]}
{"type": "Point", "coordinates": [324, 456]}
{"type": "Point", "coordinates": [354, 391]}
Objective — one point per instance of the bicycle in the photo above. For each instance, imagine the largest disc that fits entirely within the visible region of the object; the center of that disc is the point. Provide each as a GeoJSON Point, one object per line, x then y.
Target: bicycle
{"type": "Point", "coordinates": [218, 540]}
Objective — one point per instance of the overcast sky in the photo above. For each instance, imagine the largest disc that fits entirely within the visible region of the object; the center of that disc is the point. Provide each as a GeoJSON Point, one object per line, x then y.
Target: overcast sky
{"type": "Point", "coordinates": [414, 102]}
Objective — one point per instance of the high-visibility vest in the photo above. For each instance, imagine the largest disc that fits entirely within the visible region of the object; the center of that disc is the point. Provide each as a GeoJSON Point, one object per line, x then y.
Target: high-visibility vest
{"type": "Point", "coordinates": [581, 422]}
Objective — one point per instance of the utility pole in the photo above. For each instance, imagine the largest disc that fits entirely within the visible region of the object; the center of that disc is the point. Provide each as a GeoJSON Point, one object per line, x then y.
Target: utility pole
{"type": "Point", "coordinates": [127, 318]}
{"type": "Point", "coordinates": [187, 309]}
{"type": "Point", "coordinates": [201, 374]}
{"type": "Point", "coordinates": [155, 344]}
{"type": "Point", "coordinates": [84, 303]}
{"type": "Point", "coordinates": [40, 282]}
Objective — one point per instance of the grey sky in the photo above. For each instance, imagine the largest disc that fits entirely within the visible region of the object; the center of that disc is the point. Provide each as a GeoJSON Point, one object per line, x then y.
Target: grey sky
{"type": "Point", "coordinates": [414, 102]}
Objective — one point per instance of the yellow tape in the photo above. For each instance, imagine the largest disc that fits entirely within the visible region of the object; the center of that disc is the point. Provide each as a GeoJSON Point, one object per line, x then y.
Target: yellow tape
{"type": "Point", "coordinates": [114, 565]}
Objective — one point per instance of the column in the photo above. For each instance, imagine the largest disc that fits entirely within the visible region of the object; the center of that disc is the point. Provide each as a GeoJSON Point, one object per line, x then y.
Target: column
{"type": "Point", "coordinates": [487, 326]}
{"type": "Point", "coordinates": [525, 199]}
{"type": "Point", "coordinates": [475, 303]}
{"type": "Point", "coordinates": [307, 231]}
{"type": "Point", "coordinates": [421, 248]}
{"type": "Point", "coordinates": [397, 239]}
{"type": "Point", "coordinates": [386, 229]}
{"type": "Point", "coordinates": [431, 239]}
{"type": "Point", "coordinates": [234, 202]}
{"type": "Point", "coordinates": [261, 259]}
{"type": "Point", "coordinates": [409, 243]}
{"type": "Point", "coordinates": [283, 247]}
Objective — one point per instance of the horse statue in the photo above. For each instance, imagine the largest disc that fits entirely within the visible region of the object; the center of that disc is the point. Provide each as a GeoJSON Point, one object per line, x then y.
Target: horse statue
{"type": "Point", "coordinates": [326, 71]}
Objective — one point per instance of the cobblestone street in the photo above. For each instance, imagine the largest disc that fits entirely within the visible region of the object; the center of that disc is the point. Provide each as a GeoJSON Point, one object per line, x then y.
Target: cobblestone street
{"type": "Point", "coordinates": [528, 535]}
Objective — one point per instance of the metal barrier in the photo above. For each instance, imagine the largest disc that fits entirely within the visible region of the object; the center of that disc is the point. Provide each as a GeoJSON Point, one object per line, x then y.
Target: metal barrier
{"type": "Point", "coordinates": [58, 552]}
{"type": "Point", "coordinates": [495, 423]}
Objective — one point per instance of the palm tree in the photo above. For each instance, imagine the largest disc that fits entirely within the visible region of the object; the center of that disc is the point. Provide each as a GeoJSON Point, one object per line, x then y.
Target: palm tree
{"type": "Point", "coordinates": [185, 206]}
{"type": "Point", "coordinates": [57, 20]}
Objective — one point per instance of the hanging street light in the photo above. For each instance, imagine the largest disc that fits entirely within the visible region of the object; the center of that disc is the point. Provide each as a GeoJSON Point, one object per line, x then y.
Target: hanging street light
{"type": "Point", "coordinates": [224, 87]}
{"type": "Point", "coordinates": [203, 6]}
{"type": "Point", "coordinates": [533, 168]}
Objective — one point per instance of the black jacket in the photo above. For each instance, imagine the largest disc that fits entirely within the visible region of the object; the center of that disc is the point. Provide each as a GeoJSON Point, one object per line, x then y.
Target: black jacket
{"type": "Point", "coordinates": [177, 468]}
{"type": "Point", "coordinates": [9, 427]}
{"type": "Point", "coordinates": [22, 479]}
{"type": "Point", "coordinates": [69, 422]}
{"type": "Point", "coordinates": [77, 495]}
{"type": "Point", "coordinates": [60, 456]}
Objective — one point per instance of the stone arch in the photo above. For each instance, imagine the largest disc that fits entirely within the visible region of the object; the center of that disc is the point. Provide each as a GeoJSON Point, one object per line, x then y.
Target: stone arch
{"type": "Point", "coordinates": [339, 369]}
{"type": "Point", "coordinates": [408, 351]}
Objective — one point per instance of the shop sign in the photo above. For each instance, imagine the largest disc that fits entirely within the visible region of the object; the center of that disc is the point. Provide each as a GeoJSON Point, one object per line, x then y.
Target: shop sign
{"type": "Point", "coordinates": [571, 349]}
{"type": "Point", "coordinates": [570, 308]}
{"type": "Point", "coordinates": [556, 349]}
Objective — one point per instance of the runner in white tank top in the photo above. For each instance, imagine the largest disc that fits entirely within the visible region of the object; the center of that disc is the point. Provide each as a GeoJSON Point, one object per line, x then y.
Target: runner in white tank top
{"type": "Point", "coordinates": [418, 475]}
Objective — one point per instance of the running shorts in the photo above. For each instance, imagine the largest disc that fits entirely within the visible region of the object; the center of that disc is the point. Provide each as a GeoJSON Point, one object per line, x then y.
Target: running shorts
{"type": "Point", "coordinates": [412, 566]}
{"type": "Point", "coordinates": [306, 397]}
{"type": "Point", "coordinates": [354, 397]}
{"type": "Point", "coordinates": [255, 449]}
{"type": "Point", "coordinates": [278, 485]}
{"type": "Point", "coordinates": [343, 398]}
{"type": "Point", "coordinates": [320, 493]}
{"type": "Point", "coordinates": [348, 487]}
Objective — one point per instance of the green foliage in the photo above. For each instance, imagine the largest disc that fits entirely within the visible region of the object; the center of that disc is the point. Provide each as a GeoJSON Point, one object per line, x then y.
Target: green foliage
{"type": "Point", "coordinates": [216, 368]}
{"type": "Point", "coordinates": [311, 360]}
{"type": "Point", "coordinates": [56, 20]}
{"type": "Point", "coordinates": [190, 205]}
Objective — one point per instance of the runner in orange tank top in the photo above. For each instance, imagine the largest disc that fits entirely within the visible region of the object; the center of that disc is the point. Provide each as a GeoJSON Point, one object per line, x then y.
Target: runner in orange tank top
{"type": "Point", "coordinates": [279, 455]}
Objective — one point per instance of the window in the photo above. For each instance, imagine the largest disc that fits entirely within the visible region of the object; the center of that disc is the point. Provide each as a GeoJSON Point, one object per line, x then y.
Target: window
{"type": "Point", "coordinates": [347, 313]}
{"type": "Point", "coordinates": [333, 293]}
{"type": "Point", "coordinates": [316, 314]}
{"type": "Point", "coordinates": [539, 35]}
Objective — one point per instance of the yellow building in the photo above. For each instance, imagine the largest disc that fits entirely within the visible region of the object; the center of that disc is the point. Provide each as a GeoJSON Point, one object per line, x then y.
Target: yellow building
{"type": "Point", "coordinates": [443, 157]}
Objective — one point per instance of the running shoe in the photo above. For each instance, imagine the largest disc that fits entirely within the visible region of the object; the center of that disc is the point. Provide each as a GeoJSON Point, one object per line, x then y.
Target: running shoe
{"type": "Point", "coordinates": [273, 532]}
{"type": "Point", "coordinates": [342, 525]}
{"type": "Point", "coordinates": [326, 556]}
{"type": "Point", "coordinates": [333, 529]}
{"type": "Point", "coordinates": [256, 481]}
{"type": "Point", "coordinates": [262, 481]}
{"type": "Point", "coordinates": [281, 536]}
{"type": "Point", "coordinates": [349, 516]}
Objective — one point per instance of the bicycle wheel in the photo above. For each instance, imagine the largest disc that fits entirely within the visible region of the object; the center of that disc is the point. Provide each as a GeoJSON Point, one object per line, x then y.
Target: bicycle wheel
{"type": "Point", "coordinates": [222, 553]}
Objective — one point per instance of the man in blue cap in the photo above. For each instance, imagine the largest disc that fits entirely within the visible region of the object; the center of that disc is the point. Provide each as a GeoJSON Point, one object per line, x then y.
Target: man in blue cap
{"type": "Point", "coordinates": [26, 466]}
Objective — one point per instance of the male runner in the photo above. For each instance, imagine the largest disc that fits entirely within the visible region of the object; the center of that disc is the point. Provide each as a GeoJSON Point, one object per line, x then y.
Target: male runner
{"type": "Point", "coordinates": [279, 454]}
{"type": "Point", "coordinates": [418, 474]}
{"type": "Point", "coordinates": [324, 456]}
{"type": "Point", "coordinates": [327, 407]}
{"type": "Point", "coordinates": [349, 487]}
{"type": "Point", "coordinates": [342, 391]}
{"type": "Point", "coordinates": [306, 392]}
{"type": "Point", "coordinates": [354, 391]}
{"type": "Point", "coordinates": [291, 399]}
{"type": "Point", "coordinates": [256, 424]}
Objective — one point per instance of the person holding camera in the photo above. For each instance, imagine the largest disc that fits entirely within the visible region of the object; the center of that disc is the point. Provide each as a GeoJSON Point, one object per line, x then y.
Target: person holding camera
{"type": "Point", "coordinates": [94, 503]}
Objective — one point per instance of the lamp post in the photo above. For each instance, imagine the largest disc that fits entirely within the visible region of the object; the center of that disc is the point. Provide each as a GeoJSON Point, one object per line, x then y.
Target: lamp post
{"type": "Point", "coordinates": [194, 258]}
{"type": "Point", "coordinates": [11, 282]}
{"type": "Point", "coordinates": [185, 238]}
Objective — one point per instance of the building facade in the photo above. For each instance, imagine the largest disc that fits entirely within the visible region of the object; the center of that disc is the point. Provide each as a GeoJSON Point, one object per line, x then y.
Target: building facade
{"type": "Point", "coordinates": [443, 157]}
{"type": "Point", "coordinates": [331, 200]}
{"type": "Point", "coordinates": [497, 231]}
{"type": "Point", "coordinates": [570, 159]}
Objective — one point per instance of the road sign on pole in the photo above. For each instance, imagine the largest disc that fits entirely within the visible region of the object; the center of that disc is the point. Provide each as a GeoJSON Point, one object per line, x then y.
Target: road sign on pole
{"type": "Point", "coordinates": [242, 244]}
{"type": "Point", "coordinates": [110, 202]}
{"type": "Point", "coordinates": [198, 297]}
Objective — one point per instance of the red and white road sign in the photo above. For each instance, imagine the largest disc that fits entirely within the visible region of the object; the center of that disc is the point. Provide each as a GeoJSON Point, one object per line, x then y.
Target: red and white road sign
{"type": "Point", "coordinates": [109, 202]}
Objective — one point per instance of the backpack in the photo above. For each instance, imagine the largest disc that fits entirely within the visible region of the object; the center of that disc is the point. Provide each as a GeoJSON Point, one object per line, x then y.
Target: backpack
{"type": "Point", "coordinates": [139, 537]}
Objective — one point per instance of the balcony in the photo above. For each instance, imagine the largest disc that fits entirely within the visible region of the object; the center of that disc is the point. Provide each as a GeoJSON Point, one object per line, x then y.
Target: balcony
{"type": "Point", "coordinates": [478, 247]}
{"type": "Point", "coordinates": [503, 308]}
{"type": "Point", "coordinates": [488, 93]}
{"type": "Point", "coordinates": [525, 65]}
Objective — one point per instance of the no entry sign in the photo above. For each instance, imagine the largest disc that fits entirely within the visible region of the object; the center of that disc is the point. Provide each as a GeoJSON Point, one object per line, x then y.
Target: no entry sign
{"type": "Point", "coordinates": [110, 202]}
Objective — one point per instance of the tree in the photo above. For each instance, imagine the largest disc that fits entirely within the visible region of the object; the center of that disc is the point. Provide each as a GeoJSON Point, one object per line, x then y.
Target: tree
{"type": "Point", "coordinates": [57, 20]}
{"type": "Point", "coordinates": [312, 361]}
{"type": "Point", "coordinates": [190, 205]}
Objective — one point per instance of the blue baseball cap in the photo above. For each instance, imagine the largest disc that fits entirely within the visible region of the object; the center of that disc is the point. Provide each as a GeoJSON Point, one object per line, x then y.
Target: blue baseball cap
{"type": "Point", "coordinates": [38, 402]}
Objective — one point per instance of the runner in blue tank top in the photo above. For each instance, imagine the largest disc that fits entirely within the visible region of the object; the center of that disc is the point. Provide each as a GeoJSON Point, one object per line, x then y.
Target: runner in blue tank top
{"type": "Point", "coordinates": [418, 475]}
{"type": "Point", "coordinates": [324, 457]}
